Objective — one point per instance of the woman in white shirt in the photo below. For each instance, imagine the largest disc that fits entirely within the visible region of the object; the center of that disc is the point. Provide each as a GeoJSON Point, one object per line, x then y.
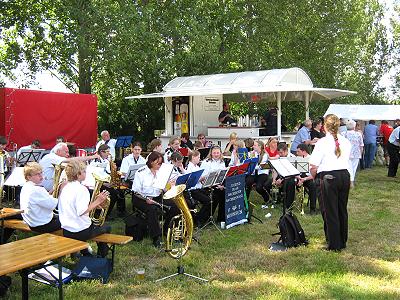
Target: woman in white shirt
{"type": "Point", "coordinates": [36, 202]}
{"type": "Point", "coordinates": [197, 193]}
{"type": "Point", "coordinates": [147, 198]}
{"type": "Point", "coordinates": [260, 176]}
{"type": "Point", "coordinates": [214, 162]}
{"type": "Point", "coordinates": [235, 159]}
{"type": "Point", "coordinates": [329, 163]}
{"type": "Point", "coordinates": [74, 208]}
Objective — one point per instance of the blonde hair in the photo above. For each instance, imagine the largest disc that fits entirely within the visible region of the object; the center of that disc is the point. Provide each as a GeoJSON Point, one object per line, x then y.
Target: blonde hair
{"type": "Point", "coordinates": [233, 136]}
{"type": "Point", "coordinates": [30, 168]}
{"type": "Point", "coordinates": [193, 153]}
{"type": "Point", "coordinates": [239, 143]}
{"type": "Point", "coordinates": [332, 123]}
{"type": "Point", "coordinates": [153, 144]}
{"type": "Point", "coordinates": [73, 169]}
{"type": "Point", "coordinates": [209, 156]}
{"type": "Point", "coordinates": [173, 139]}
{"type": "Point", "coordinates": [262, 149]}
{"type": "Point", "coordinates": [271, 139]}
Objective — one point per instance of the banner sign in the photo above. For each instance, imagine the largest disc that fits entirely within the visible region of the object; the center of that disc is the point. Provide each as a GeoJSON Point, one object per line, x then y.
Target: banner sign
{"type": "Point", "coordinates": [235, 189]}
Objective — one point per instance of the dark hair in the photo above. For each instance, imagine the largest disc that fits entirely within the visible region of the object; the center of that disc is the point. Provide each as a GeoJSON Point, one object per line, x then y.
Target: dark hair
{"type": "Point", "coordinates": [282, 146]}
{"type": "Point", "coordinates": [316, 122]}
{"type": "Point", "coordinates": [36, 143]}
{"type": "Point", "coordinates": [3, 140]}
{"type": "Point", "coordinates": [103, 147]}
{"type": "Point", "coordinates": [153, 156]}
{"type": "Point", "coordinates": [304, 147]}
{"type": "Point", "coordinates": [371, 122]}
{"type": "Point", "coordinates": [136, 144]}
{"type": "Point", "coordinates": [176, 156]}
{"type": "Point", "coordinates": [185, 135]}
{"type": "Point", "coordinates": [384, 122]}
{"type": "Point", "coordinates": [60, 138]}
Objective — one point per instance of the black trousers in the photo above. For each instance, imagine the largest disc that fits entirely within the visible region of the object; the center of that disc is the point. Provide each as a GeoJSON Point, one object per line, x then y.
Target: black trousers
{"type": "Point", "coordinates": [335, 186]}
{"type": "Point", "coordinates": [263, 185]}
{"type": "Point", "coordinates": [394, 159]}
{"type": "Point", "coordinates": [288, 188]}
{"type": "Point", "coordinates": [218, 198]}
{"type": "Point", "coordinates": [52, 226]}
{"type": "Point", "coordinates": [202, 196]}
{"type": "Point", "coordinates": [87, 234]}
{"type": "Point", "coordinates": [7, 233]}
{"type": "Point", "coordinates": [312, 192]}
{"type": "Point", "coordinates": [115, 197]}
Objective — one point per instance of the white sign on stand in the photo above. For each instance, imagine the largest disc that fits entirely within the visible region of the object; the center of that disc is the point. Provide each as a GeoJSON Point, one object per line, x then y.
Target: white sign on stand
{"type": "Point", "coordinates": [211, 104]}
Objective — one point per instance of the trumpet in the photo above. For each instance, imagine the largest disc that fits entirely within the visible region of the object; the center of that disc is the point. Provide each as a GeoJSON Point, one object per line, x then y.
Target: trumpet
{"type": "Point", "coordinates": [98, 215]}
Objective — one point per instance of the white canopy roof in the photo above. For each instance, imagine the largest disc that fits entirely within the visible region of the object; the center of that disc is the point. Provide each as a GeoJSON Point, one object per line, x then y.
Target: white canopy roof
{"type": "Point", "coordinates": [365, 112]}
{"type": "Point", "coordinates": [294, 84]}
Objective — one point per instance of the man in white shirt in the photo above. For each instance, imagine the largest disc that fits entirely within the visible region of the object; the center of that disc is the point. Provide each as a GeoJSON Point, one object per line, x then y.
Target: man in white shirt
{"type": "Point", "coordinates": [34, 145]}
{"type": "Point", "coordinates": [105, 139]}
{"type": "Point", "coordinates": [58, 155]}
{"type": "Point", "coordinates": [132, 159]}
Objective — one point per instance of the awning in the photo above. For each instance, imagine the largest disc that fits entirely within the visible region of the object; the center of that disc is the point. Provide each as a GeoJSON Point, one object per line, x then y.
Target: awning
{"type": "Point", "coordinates": [293, 83]}
{"type": "Point", "coordinates": [365, 112]}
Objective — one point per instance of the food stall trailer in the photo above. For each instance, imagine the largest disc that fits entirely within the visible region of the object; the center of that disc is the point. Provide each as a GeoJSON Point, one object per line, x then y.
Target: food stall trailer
{"type": "Point", "coordinates": [193, 103]}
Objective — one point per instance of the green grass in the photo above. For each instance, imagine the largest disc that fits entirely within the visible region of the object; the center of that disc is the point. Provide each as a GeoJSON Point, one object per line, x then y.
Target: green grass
{"type": "Point", "coordinates": [240, 266]}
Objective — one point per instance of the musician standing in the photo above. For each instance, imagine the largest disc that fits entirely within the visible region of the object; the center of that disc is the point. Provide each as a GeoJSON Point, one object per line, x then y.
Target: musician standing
{"type": "Point", "coordinates": [105, 139]}
{"type": "Point", "coordinates": [74, 207]}
{"type": "Point", "coordinates": [57, 155]}
{"type": "Point", "coordinates": [303, 136]}
{"type": "Point", "coordinates": [329, 163]}
{"type": "Point", "coordinates": [393, 147]}
{"type": "Point", "coordinates": [38, 205]}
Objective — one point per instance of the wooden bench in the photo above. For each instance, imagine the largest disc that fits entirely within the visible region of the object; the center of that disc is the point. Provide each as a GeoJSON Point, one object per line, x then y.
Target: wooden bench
{"type": "Point", "coordinates": [109, 238]}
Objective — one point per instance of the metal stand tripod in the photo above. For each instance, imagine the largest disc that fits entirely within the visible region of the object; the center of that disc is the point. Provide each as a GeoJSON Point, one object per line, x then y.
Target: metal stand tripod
{"type": "Point", "coordinates": [181, 270]}
{"type": "Point", "coordinates": [211, 219]}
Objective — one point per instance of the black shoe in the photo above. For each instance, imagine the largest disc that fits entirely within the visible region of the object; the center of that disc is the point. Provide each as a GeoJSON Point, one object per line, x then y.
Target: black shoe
{"type": "Point", "coordinates": [313, 212]}
{"type": "Point", "coordinates": [157, 242]}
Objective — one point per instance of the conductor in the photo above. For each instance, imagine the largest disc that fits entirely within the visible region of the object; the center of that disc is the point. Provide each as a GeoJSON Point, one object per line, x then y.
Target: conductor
{"type": "Point", "coordinates": [225, 116]}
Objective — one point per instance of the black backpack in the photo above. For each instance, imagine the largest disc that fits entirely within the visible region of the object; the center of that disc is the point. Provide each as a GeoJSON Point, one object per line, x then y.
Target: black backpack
{"type": "Point", "coordinates": [135, 226]}
{"type": "Point", "coordinates": [292, 234]}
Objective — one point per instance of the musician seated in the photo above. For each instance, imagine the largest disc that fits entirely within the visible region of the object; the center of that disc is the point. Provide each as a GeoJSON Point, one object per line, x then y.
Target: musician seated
{"type": "Point", "coordinates": [272, 148]}
{"type": "Point", "coordinates": [34, 145]}
{"type": "Point", "coordinates": [135, 158]}
{"type": "Point", "coordinates": [104, 162]}
{"type": "Point", "coordinates": [214, 162]}
{"type": "Point", "coordinates": [235, 159]}
{"type": "Point", "coordinates": [260, 176]}
{"type": "Point", "coordinates": [185, 141]}
{"type": "Point", "coordinates": [7, 161]}
{"type": "Point", "coordinates": [38, 205]}
{"type": "Point", "coordinates": [307, 180]}
{"type": "Point", "coordinates": [286, 186]}
{"type": "Point", "coordinates": [58, 155]}
{"type": "Point", "coordinates": [75, 205]}
{"type": "Point", "coordinates": [173, 146]}
{"type": "Point", "coordinates": [198, 194]}
{"type": "Point", "coordinates": [177, 160]}
{"type": "Point", "coordinates": [148, 198]}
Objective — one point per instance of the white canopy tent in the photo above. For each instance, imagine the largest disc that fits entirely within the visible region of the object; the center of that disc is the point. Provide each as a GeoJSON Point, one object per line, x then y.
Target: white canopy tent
{"type": "Point", "coordinates": [365, 112]}
{"type": "Point", "coordinates": [292, 84]}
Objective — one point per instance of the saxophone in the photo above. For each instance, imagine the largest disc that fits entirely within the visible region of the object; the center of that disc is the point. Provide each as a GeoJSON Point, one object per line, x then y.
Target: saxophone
{"type": "Point", "coordinates": [180, 231]}
{"type": "Point", "coordinates": [58, 169]}
{"type": "Point", "coordinates": [298, 202]}
{"type": "Point", "coordinates": [98, 215]}
{"type": "Point", "coordinates": [115, 179]}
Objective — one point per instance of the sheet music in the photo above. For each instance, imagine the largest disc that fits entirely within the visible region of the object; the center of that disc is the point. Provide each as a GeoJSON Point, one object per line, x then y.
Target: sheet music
{"type": "Point", "coordinates": [284, 168]}
{"type": "Point", "coordinates": [221, 177]}
{"type": "Point", "coordinates": [163, 175]}
{"type": "Point", "coordinates": [16, 178]}
{"type": "Point", "coordinates": [300, 163]}
{"type": "Point", "coordinates": [89, 180]}
{"type": "Point", "coordinates": [29, 155]}
{"type": "Point", "coordinates": [210, 178]}
{"type": "Point", "coordinates": [130, 175]}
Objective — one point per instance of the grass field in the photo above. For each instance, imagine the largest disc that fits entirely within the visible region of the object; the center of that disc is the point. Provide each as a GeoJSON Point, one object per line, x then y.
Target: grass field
{"type": "Point", "coordinates": [240, 266]}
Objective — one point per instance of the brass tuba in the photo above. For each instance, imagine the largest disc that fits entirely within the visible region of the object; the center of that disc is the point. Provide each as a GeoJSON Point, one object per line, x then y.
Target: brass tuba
{"type": "Point", "coordinates": [58, 169]}
{"type": "Point", "coordinates": [98, 215]}
{"type": "Point", "coordinates": [180, 230]}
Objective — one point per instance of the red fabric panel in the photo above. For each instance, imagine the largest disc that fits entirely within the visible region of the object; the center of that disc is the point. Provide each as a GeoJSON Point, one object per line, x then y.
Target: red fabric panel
{"type": "Point", "coordinates": [30, 115]}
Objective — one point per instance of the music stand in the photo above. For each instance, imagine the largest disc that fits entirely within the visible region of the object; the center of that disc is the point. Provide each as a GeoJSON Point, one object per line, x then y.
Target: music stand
{"type": "Point", "coordinates": [31, 155]}
{"type": "Point", "coordinates": [123, 141]}
{"type": "Point", "coordinates": [286, 170]}
{"type": "Point", "coordinates": [213, 179]}
{"type": "Point", "coordinates": [132, 171]}
{"type": "Point", "coordinates": [194, 178]}
{"type": "Point", "coordinates": [203, 152]}
{"type": "Point", "coordinates": [182, 179]}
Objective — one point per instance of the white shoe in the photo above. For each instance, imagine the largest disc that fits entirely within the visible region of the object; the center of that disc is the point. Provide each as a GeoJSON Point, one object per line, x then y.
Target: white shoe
{"type": "Point", "coordinates": [264, 206]}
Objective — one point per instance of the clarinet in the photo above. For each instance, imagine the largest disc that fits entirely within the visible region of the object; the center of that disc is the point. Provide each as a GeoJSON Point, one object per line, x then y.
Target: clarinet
{"type": "Point", "coordinates": [167, 207]}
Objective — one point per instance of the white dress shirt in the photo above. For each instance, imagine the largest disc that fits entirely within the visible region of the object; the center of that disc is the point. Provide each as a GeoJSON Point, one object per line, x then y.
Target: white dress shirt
{"type": "Point", "coordinates": [37, 204]}
{"type": "Point", "coordinates": [101, 163]}
{"type": "Point", "coordinates": [264, 160]}
{"type": "Point", "coordinates": [324, 157]}
{"type": "Point", "coordinates": [210, 165]}
{"type": "Point", "coordinates": [111, 143]}
{"type": "Point", "coordinates": [129, 161]}
{"type": "Point", "coordinates": [143, 183]}
{"type": "Point", "coordinates": [73, 202]}
{"type": "Point", "coordinates": [48, 169]}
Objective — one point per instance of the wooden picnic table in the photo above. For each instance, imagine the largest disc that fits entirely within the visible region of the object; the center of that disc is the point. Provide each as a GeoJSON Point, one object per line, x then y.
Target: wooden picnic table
{"type": "Point", "coordinates": [32, 253]}
{"type": "Point", "coordinates": [7, 212]}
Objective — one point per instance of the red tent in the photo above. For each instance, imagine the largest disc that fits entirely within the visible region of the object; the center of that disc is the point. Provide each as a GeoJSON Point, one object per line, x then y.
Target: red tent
{"type": "Point", "coordinates": [26, 115]}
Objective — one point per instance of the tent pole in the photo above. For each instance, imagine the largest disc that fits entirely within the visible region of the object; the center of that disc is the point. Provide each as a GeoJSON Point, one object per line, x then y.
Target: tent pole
{"type": "Point", "coordinates": [307, 104]}
{"type": "Point", "coordinates": [279, 119]}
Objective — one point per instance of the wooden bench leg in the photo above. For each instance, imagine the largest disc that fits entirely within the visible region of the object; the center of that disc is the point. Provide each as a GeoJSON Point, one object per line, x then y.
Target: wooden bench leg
{"type": "Point", "coordinates": [25, 287]}
{"type": "Point", "coordinates": [112, 256]}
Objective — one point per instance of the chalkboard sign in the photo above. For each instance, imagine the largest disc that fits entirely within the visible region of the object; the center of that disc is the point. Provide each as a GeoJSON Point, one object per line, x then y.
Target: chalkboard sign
{"type": "Point", "coordinates": [235, 212]}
